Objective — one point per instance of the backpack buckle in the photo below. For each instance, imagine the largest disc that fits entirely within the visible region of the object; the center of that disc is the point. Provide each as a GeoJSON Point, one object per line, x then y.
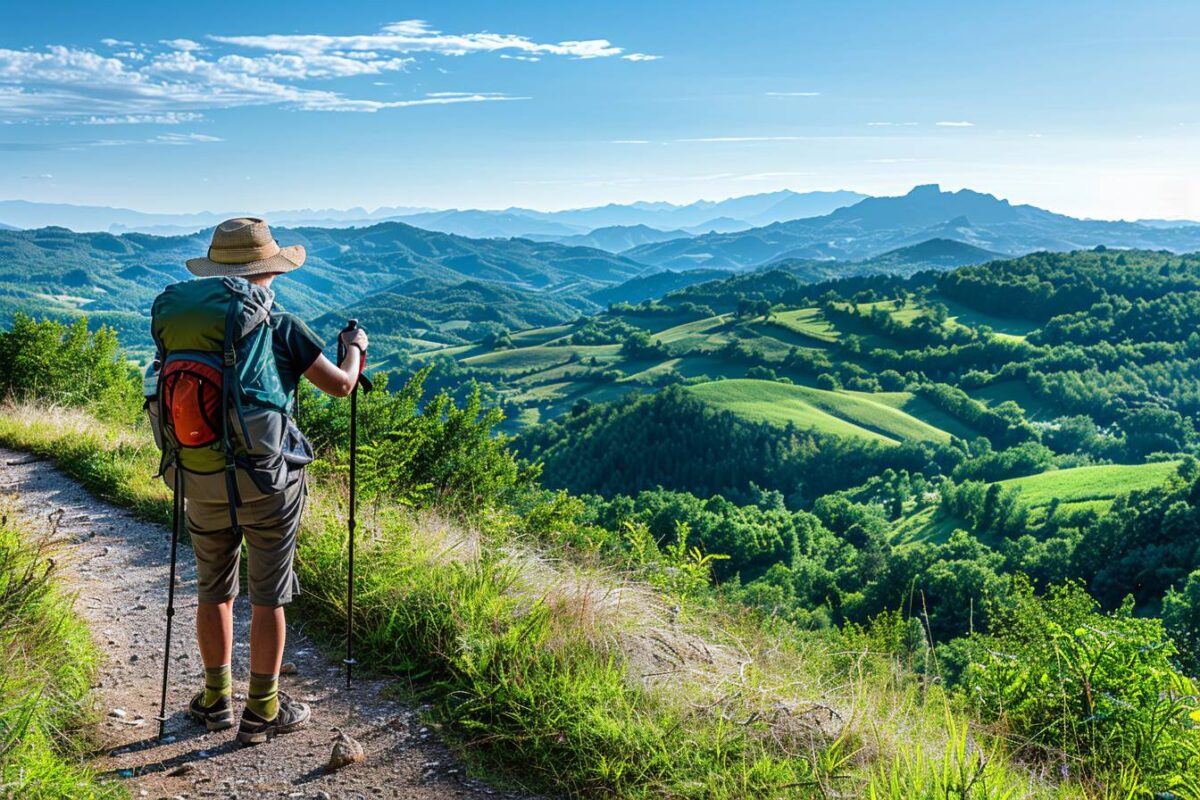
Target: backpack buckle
{"type": "Point", "coordinates": [229, 358]}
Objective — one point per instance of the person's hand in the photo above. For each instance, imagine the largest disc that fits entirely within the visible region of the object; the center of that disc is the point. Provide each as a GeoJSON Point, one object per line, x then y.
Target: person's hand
{"type": "Point", "coordinates": [354, 338]}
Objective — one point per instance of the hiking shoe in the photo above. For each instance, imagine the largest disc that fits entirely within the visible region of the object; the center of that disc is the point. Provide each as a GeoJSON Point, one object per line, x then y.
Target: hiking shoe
{"type": "Point", "coordinates": [216, 717]}
{"type": "Point", "coordinates": [256, 730]}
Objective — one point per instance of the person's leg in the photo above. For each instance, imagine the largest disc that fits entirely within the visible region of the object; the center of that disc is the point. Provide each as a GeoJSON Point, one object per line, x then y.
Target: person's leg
{"type": "Point", "coordinates": [270, 548]}
{"type": "Point", "coordinates": [217, 551]}
{"type": "Point", "coordinates": [214, 633]}
{"type": "Point", "coordinates": [268, 629]}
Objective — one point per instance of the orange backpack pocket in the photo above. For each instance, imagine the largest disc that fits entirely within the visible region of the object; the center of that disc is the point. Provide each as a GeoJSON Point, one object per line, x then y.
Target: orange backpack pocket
{"type": "Point", "coordinates": [192, 399]}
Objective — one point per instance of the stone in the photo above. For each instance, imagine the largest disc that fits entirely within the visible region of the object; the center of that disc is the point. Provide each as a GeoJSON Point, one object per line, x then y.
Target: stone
{"type": "Point", "coordinates": [346, 751]}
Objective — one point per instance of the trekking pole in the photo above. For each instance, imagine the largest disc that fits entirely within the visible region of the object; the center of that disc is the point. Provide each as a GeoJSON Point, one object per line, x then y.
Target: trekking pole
{"type": "Point", "coordinates": [176, 523]}
{"type": "Point", "coordinates": [351, 521]}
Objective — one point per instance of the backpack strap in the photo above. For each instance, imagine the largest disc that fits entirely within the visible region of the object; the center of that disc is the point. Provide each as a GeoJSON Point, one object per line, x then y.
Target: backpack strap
{"type": "Point", "coordinates": [230, 391]}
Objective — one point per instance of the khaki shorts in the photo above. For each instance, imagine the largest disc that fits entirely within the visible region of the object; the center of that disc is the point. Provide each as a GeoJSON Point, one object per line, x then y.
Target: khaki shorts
{"type": "Point", "coordinates": [269, 525]}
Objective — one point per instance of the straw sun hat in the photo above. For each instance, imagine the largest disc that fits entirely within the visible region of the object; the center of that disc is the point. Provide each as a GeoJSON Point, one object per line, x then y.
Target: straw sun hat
{"type": "Point", "coordinates": [244, 246]}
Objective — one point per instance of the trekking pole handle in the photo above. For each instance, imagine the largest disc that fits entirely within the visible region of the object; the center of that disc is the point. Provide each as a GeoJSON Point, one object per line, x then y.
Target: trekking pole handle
{"type": "Point", "coordinates": [343, 348]}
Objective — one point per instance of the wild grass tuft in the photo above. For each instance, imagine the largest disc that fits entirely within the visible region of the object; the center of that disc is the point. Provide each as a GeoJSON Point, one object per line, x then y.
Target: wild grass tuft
{"type": "Point", "coordinates": [46, 681]}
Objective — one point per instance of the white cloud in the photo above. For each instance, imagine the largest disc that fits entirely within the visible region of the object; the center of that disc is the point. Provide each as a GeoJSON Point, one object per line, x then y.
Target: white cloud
{"type": "Point", "coordinates": [184, 138]}
{"type": "Point", "coordinates": [178, 77]}
{"type": "Point", "coordinates": [878, 124]}
{"type": "Point", "coordinates": [511, 57]}
{"type": "Point", "coordinates": [187, 45]}
{"type": "Point", "coordinates": [792, 94]}
{"type": "Point", "coordinates": [640, 57]}
{"type": "Point", "coordinates": [955, 124]}
{"type": "Point", "coordinates": [417, 36]}
{"type": "Point", "coordinates": [166, 118]}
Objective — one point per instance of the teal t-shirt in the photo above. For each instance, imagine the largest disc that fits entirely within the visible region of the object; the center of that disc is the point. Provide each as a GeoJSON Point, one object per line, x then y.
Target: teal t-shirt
{"type": "Point", "coordinates": [296, 348]}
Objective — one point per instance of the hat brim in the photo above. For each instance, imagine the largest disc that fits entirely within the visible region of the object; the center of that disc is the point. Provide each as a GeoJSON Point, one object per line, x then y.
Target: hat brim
{"type": "Point", "coordinates": [287, 259]}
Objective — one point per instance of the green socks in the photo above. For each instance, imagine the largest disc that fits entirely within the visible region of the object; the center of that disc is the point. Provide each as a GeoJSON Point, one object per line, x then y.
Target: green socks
{"type": "Point", "coordinates": [263, 697]}
{"type": "Point", "coordinates": [218, 683]}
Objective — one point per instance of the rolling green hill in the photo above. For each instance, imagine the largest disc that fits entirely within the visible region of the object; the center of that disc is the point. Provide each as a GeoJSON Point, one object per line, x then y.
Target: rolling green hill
{"type": "Point", "coordinates": [1076, 489]}
{"type": "Point", "coordinates": [1089, 485]}
{"type": "Point", "coordinates": [835, 413]}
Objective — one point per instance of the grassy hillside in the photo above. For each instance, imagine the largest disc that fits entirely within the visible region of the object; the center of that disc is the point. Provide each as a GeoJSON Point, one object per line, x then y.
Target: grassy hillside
{"type": "Point", "coordinates": [1092, 488]}
{"type": "Point", "coordinates": [834, 413]}
{"type": "Point", "coordinates": [581, 649]}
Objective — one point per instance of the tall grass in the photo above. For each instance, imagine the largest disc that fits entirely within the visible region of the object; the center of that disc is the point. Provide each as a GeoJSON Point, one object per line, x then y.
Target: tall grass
{"type": "Point", "coordinates": [46, 680]}
{"type": "Point", "coordinates": [576, 677]}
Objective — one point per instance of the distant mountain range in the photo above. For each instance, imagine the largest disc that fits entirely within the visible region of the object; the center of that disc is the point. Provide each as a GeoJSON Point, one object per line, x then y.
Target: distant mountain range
{"type": "Point", "coordinates": [26, 214]}
{"type": "Point", "coordinates": [436, 286]}
{"type": "Point", "coordinates": [618, 238]}
{"type": "Point", "coordinates": [879, 224]}
{"type": "Point", "coordinates": [703, 216]}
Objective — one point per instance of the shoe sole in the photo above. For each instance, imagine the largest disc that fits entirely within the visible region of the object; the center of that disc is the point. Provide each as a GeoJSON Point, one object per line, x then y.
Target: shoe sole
{"type": "Point", "coordinates": [265, 735]}
{"type": "Point", "coordinates": [212, 725]}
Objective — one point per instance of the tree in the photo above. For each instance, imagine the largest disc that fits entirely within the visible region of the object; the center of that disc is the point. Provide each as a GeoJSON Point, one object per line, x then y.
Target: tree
{"type": "Point", "coordinates": [1181, 617]}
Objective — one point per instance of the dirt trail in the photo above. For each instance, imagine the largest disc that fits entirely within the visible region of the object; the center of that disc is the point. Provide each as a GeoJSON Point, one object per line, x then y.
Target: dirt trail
{"type": "Point", "coordinates": [118, 565]}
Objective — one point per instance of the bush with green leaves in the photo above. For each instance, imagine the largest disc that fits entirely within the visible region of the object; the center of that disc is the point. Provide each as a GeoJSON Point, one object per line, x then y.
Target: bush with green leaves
{"type": "Point", "coordinates": [68, 365]}
{"type": "Point", "coordinates": [1181, 616]}
{"type": "Point", "coordinates": [1097, 694]}
{"type": "Point", "coordinates": [422, 452]}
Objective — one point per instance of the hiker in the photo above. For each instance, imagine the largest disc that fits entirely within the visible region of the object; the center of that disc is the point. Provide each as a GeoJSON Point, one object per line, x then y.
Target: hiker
{"type": "Point", "coordinates": [222, 409]}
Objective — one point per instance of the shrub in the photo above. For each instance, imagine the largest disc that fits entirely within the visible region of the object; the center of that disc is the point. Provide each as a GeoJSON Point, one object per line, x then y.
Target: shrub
{"type": "Point", "coordinates": [1087, 688]}
{"type": "Point", "coordinates": [67, 365]}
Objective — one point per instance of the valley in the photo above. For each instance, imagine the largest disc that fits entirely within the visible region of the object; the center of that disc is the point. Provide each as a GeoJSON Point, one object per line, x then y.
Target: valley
{"type": "Point", "coordinates": [820, 444]}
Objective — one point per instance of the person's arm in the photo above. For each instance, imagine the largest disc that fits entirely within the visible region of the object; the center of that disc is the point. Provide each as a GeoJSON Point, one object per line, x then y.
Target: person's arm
{"type": "Point", "coordinates": [338, 379]}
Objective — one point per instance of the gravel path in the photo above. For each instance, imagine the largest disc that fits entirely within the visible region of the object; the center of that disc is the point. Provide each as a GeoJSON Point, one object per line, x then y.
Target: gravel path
{"type": "Point", "coordinates": [119, 566]}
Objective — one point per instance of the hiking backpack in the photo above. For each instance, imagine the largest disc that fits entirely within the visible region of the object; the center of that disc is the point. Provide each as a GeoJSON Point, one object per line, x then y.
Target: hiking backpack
{"type": "Point", "coordinates": [216, 404]}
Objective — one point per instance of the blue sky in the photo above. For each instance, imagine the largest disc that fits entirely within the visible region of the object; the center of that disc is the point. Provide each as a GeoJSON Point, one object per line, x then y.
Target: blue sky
{"type": "Point", "coordinates": [1090, 108]}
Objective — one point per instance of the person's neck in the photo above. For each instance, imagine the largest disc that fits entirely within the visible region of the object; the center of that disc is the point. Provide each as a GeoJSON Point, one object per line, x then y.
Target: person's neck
{"type": "Point", "coordinates": [261, 280]}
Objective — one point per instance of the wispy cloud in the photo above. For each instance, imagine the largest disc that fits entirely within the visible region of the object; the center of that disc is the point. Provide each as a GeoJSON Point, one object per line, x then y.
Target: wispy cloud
{"type": "Point", "coordinates": [792, 94]}
{"type": "Point", "coordinates": [175, 139]}
{"type": "Point", "coordinates": [955, 124]}
{"type": "Point", "coordinates": [166, 118]}
{"type": "Point", "coordinates": [890, 124]}
{"type": "Point", "coordinates": [417, 36]}
{"type": "Point", "coordinates": [150, 83]}
{"type": "Point", "coordinates": [722, 139]}
{"type": "Point", "coordinates": [187, 45]}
